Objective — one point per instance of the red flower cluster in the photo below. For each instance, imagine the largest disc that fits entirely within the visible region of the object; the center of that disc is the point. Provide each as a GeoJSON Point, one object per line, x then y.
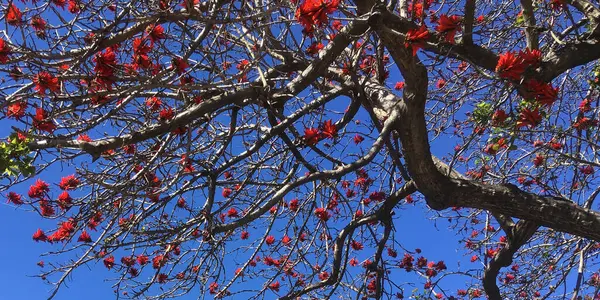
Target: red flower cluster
{"type": "Point", "coordinates": [63, 232]}
{"type": "Point", "coordinates": [4, 52]}
{"type": "Point", "coordinates": [46, 81]}
{"type": "Point", "coordinates": [542, 92]}
{"type": "Point", "coordinates": [140, 54]}
{"type": "Point", "coordinates": [155, 33]}
{"type": "Point", "coordinates": [416, 38]}
{"type": "Point", "coordinates": [314, 12]}
{"type": "Point", "coordinates": [13, 15]}
{"type": "Point", "coordinates": [41, 122]}
{"type": "Point", "coordinates": [322, 214]}
{"type": "Point", "coordinates": [326, 130]}
{"type": "Point", "coordinates": [39, 189]}
{"type": "Point", "coordinates": [448, 26]}
{"type": "Point", "coordinates": [68, 183]}
{"type": "Point", "coordinates": [106, 64]}
{"type": "Point", "coordinates": [16, 110]}
{"type": "Point", "coordinates": [528, 117]}
{"type": "Point", "coordinates": [511, 66]}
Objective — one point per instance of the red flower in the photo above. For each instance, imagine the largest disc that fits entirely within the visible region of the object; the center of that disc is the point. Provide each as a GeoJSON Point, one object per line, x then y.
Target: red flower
{"type": "Point", "coordinates": [586, 170]}
{"type": "Point", "coordinates": [73, 6]}
{"type": "Point", "coordinates": [68, 183]}
{"type": "Point", "coordinates": [38, 24]}
{"type": "Point", "coordinates": [538, 160]}
{"type": "Point", "coordinates": [329, 130]}
{"type": "Point", "coordinates": [531, 58]}
{"type": "Point", "coordinates": [64, 200]}
{"type": "Point", "coordinates": [84, 237]}
{"type": "Point", "coordinates": [39, 189]}
{"type": "Point", "coordinates": [39, 236]}
{"type": "Point", "coordinates": [142, 259]}
{"type": "Point", "coordinates": [13, 15]}
{"type": "Point", "coordinates": [293, 205]}
{"type": "Point", "coordinates": [16, 110]}
{"type": "Point", "coordinates": [311, 136]}
{"type": "Point", "coordinates": [440, 83]}
{"type": "Point", "coordinates": [286, 240]}
{"type": "Point", "coordinates": [155, 32]}
{"type": "Point", "coordinates": [244, 235]}
{"type": "Point", "coordinates": [4, 51]}
{"type": "Point", "coordinates": [448, 26]}
{"type": "Point", "coordinates": [45, 81]}
{"type": "Point", "coordinates": [399, 85]}
{"type": "Point", "coordinates": [499, 117]}
{"type": "Point", "coordinates": [46, 209]}
{"type": "Point", "coordinates": [358, 139]}
{"type": "Point", "coordinates": [109, 262]}
{"type": "Point", "coordinates": [337, 25]}
{"type": "Point", "coordinates": [14, 198]}
{"type": "Point", "coordinates": [510, 66]}
{"type": "Point", "coordinates": [356, 245]}
{"type": "Point", "coordinates": [226, 192]}
{"type": "Point", "coordinates": [60, 3]}
{"type": "Point", "coordinates": [270, 240]}
{"type": "Point", "coordinates": [106, 62]}
{"type": "Point", "coordinates": [323, 275]}
{"type": "Point", "coordinates": [585, 105]}
{"type": "Point", "coordinates": [166, 114]}
{"type": "Point", "coordinates": [314, 48]}
{"type": "Point", "coordinates": [140, 47]}
{"type": "Point", "coordinates": [159, 261]}
{"type": "Point", "coordinates": [232, 213]}
{"type": "Point", "coordinates": [322, 214]}
{"type": "Point", "coordinates": [153, 103]}
{"type": "Point", "coordinates": [314, 12]}
{"type": "Point", "coordinates": [179, 65]}
{"type": "Point", "coordinates": [40, 122]}
{"type": "Point", "coordinates": [416, 38]}
{"type": "Point", "coordinates": [274, 286]}
{"type": "Point", "coordinates": [584, 123]}
{"type": "Point", "coordinates": [530, 118]}
{"type": "Point", "coordinates": [543, 92]}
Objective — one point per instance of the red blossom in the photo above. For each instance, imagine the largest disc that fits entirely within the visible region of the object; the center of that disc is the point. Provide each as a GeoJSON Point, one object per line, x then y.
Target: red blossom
{"type": "Point", "coordinates": [328, 130]}
{"type": "Point", "coordinates": [270, 240]}
{"type": "Point", "coordinates": [68, 183]}
{"type": "Point", "coordinates": [109, 262]}
{"type": "Point", "coordinates": [322, 214]}
{"type": "Point", "coordinates": [38, 189]}
{"type": "Point", "coordinates": [46, 81]}
{"type": "Point", "coordinates": [179, 64]}
{"type": "Point", "coordinates": [39, 236]}
{"type": "Point", "coordinates": [155, 33]}
{"type": "Point", "coordinates": [314, 48]}
{"type": "Point", "coordinates": [13, 15]}
{"type": "Point", "coordinates": [448, 26]}
{"type": "Point", "coordinates": [74, 6]}
{"type": "Point", "coordinates": [399, 85]}
{"type": "Point", "coordinates": [64, 201]}
{"type": "Point", "coordinates": [314, 12]}
{"type": "Point", "coordinates": [510, 66]}
{"type": "Point", "coordinates": [84, 237]}
{"type": "Point", "coordinates": [528, 117]}
{"type": "Point", "coordinates": [311, 136]}
{"type": "Point", "coordinates": [416, 38]}
{"type": "Point", "coordinates": [531, 58]}
{"type": "Point", "coordinates": [153, 103]}
{"type": "Point", "coordinates": [274, 286]}
{"type": "Point", "coordinates": [4, 51]}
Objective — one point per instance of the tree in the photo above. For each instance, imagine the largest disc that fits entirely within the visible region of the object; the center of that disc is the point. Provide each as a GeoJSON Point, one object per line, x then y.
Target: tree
{"type": "Point", "coordinates": [288, 139]}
